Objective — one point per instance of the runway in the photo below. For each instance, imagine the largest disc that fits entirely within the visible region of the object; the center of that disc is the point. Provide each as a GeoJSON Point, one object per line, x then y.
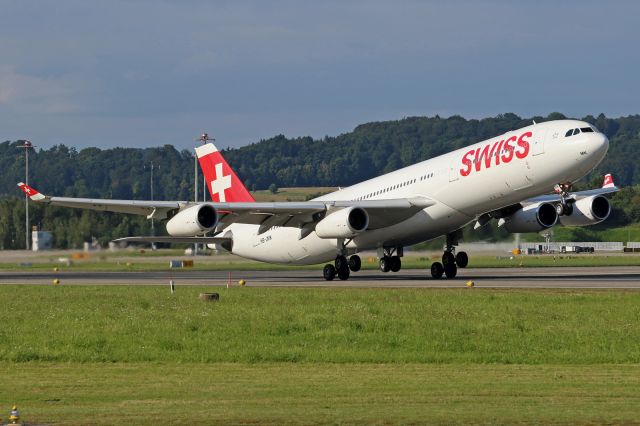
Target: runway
{"type": "Point", "coordinates": [560, 277]}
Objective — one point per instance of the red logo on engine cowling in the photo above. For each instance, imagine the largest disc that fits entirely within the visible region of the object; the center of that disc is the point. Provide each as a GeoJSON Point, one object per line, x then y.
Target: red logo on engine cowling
{"type": "Point", "coordinates": [500, 151]}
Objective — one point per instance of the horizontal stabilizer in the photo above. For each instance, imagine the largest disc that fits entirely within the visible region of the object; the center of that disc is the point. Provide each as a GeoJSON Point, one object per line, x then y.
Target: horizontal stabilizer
{"type": "Point", "coordinates": [185, 240]}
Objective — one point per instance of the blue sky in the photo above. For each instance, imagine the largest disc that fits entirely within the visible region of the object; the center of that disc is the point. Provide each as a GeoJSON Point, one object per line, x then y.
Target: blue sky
{"type": "Point", "coordinates": [146, 73]}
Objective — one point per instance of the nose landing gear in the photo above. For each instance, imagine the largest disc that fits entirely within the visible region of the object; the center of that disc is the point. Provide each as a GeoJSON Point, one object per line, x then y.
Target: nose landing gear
{"type": "Point", "coordinates": [565, 207]}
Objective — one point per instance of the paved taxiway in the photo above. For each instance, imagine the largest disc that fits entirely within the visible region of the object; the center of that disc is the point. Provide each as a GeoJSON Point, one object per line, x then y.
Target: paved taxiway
{"type": "Point", "coordinates": [565, 277]}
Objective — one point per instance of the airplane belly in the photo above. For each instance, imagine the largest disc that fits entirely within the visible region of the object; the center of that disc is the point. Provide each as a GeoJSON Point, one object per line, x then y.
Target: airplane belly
{"type": "Point", "coordinates": [280, 245]}
{"type": "Point", "coordinates": [425, 225]}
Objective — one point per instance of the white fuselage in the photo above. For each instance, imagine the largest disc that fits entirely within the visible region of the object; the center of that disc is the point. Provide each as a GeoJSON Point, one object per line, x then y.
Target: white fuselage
{"type": "Point", "coordinates": [464, 184]}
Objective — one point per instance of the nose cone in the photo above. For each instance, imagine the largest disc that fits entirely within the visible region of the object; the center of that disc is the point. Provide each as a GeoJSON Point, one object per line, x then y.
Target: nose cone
{"type": "Point", "coordinates": [599, 145]}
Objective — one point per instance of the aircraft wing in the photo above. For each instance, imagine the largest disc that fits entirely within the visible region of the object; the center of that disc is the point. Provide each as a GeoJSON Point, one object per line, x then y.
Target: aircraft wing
{"type": "Point", "coordinates": [608, 187]}
{"type": "Point", "coordinates": [381, 213]}
{"type": "Point", "coordinates": [573, 196]}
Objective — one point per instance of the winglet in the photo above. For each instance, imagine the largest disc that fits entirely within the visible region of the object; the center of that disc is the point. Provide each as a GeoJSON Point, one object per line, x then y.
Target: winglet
{"type": "Point", "coordinates": [31, 192]}
{"type": "Point", "coordinates": [608, 181]}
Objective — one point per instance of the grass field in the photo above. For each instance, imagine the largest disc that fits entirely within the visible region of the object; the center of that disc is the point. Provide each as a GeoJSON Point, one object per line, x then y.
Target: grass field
{"type": "Point", "coordinates": [100, 355]}
{"type": "Point", "coordinates": [172, 393]}
{"type": "Point", "coordinates": [250, 325]}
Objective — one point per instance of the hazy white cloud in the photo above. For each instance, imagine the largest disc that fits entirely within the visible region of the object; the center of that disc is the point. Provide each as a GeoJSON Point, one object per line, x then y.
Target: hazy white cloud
{"type": "Point", "coordinates": [30, 94]}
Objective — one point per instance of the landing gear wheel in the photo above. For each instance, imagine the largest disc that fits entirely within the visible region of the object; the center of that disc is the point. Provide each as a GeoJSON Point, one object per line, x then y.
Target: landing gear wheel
{"type": "Point", "coordinates": [462, 260]}
{"type": "Point", "coordinates": [396, 263]}
{"type": "Point", "coordinates": [341, 263]}
{"type": "Point", "coordinates": [385, 264]}
{"type": "Point", "coordinates": [343, 274]}
{"type": "Point", "coordinates": [437, 270]}
{"type": "Point", "coordinates": [329, 272]}
{"type": "Point", "coordinates": [564, 209]}
{"type": "Point", "coordinates": [451, 270]}
{"type": "Point", "coordinates": [355, 263]}
{"type": "Point", "coordinates": [448, 258]}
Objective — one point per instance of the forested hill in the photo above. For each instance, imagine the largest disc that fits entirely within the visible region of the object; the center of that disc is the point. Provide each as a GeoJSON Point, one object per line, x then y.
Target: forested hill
{"type": "Point", "coordinates": [369, 150]}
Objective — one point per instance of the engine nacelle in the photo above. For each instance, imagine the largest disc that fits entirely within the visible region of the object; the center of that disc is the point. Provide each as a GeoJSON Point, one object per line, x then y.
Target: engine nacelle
{"type": "Point", "coordinates": [193, 221]}
{"type": "Point", "coordinates": [588, 211]}
{"type": "Point", "coordinates": [344, 223]}
{"type": "Point", "coordinates": [532, 218]}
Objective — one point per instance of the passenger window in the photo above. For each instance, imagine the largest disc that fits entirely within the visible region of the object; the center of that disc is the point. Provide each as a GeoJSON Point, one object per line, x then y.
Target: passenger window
{"type": "Point", "coordinates": [586, 129]}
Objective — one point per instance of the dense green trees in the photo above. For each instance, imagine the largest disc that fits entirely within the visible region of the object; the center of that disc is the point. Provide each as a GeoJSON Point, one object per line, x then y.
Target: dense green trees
{"type": "Point", "coordinates": [369, 150]}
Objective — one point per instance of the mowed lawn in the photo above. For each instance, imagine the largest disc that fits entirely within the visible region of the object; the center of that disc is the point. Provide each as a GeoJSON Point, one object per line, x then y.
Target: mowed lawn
{"type": "Point", "coordinates": [311, 393]}
{"type": "Point", "coordinates": [102, 354]}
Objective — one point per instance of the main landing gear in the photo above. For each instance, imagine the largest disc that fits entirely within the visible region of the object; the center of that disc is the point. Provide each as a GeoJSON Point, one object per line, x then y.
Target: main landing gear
{"type": "Point", "coordinates": [342, 267]}
{"type": "Point", "coordinates": [390, 259]}
{"type": "Point", "coordinates": [450, 261]}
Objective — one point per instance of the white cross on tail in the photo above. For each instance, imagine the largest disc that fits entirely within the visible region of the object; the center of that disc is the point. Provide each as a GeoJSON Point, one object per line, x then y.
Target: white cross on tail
{"type": "Point", "coordinates": [220, 183]}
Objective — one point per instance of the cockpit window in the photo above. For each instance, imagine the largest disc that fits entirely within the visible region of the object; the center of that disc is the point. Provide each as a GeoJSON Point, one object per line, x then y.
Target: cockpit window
{"type": "Point", "coordinates": [573, 132]}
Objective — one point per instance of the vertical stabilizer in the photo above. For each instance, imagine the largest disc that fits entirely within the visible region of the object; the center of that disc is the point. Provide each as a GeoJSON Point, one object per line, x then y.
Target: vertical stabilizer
{"type": "Point", "coordinates": [224, 185]}
{"type": "Point", "coordinates": [608, 181]}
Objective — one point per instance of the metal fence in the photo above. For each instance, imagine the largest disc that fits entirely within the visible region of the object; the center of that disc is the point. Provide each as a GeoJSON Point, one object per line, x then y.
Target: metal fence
{"type": "Point", "coordinates": [597, 245]}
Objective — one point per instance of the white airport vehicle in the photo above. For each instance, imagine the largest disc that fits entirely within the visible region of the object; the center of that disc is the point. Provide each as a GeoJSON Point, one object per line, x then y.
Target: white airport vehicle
{"type": "Point", "coordinates": [510, 178]}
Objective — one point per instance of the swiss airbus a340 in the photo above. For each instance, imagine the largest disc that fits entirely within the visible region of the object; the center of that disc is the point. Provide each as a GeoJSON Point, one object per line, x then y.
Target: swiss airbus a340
{"type": "Point", "coordinates": [522, 179]}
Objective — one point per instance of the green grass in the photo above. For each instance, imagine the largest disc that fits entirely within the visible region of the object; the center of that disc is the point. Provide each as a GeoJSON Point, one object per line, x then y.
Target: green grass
{"type": "Point", "coordinates": [108, 354]}
{"type": "Point", "coordinates": [255, 325]}
{"type": "Point", "coordinates": [293, 194]}
{"type": "Point", "coordinates": [172, 393]}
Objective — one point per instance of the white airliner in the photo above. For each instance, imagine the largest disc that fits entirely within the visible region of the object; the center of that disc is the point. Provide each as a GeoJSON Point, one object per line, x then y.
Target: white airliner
{"type": "Point", "coordinates": [504, 178]}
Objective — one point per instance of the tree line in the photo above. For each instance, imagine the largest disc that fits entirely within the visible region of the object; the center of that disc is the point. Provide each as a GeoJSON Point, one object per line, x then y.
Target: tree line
{"type": "Point", "coordinates": [369, 150]}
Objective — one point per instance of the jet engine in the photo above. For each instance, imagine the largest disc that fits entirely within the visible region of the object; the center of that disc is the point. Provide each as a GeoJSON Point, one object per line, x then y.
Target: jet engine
{"type": "Point", "coordinates": [193, 221]}
{"type": "Point", "coordinates": [344, 223]}
{"type": "Point", "coordinates": [587, 211]}
{"type": "Point", "coordinates": [532, 218]}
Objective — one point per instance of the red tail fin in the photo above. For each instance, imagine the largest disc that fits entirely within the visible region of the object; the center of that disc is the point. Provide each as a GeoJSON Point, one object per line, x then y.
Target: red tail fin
{"type": "Point", "coordinates": [223, 184]}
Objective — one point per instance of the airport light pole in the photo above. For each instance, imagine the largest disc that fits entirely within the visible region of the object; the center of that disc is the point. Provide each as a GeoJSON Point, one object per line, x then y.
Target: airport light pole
{"type": "Point", "coordinates": [26, 145]}
{"type": "Point", "coordinates": [195, 190]}
{"type": "Point", "coordinates": [152, 167]}
{"type": "Point", "coordinates": [204, 138]}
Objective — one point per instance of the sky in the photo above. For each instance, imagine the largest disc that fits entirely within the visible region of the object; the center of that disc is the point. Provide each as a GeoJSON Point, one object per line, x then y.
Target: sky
{"type": "Point", "coordinates": [141, 73]}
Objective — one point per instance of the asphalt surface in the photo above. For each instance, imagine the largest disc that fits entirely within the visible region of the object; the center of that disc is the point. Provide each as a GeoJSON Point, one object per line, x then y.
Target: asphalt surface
{"type": "Point", "coordinates": [559, 277]}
